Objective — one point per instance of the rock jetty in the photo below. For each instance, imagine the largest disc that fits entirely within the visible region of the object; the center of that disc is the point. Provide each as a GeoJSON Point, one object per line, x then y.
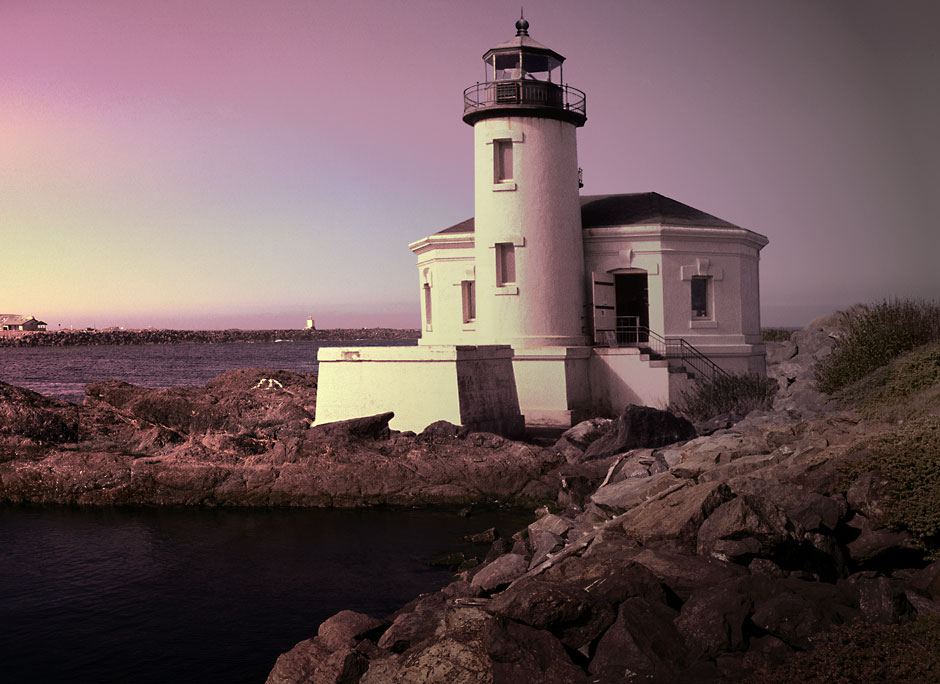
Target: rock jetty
{"type": "Point", "coordinates": [67, 338]}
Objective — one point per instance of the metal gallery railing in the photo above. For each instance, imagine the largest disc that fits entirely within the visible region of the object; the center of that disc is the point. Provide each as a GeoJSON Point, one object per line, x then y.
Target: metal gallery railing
{"type": "Point", "coordinates": [524, 92]}
{"type": "Point", "coordinates": [630, 333]}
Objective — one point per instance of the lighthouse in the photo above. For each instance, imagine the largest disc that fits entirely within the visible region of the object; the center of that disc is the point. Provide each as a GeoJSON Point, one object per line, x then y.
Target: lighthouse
{"type": "Point", "coordinates": [528, 248]}
{"type": "Point", "coordinates": [548, 307]}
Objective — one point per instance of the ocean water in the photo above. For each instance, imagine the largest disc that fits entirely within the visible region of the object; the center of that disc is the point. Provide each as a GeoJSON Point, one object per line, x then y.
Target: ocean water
{"type": "Point", "coordinates": [150, 595]}
{"type": "Point", "coordinates": [154, 595]}
{"type": "Point", "coordinates": [63, 372]}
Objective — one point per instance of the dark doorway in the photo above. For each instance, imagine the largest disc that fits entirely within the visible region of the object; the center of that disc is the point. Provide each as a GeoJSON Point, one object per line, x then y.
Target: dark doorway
{"type": "Point", "coordinates": [633, 309]}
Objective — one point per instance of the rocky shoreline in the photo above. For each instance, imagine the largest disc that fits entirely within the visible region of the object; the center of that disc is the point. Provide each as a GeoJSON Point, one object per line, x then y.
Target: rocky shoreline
{"type": "Point", "coordinates": [660, 556]}
{"type": "Point", "coordinates": [69, 338]}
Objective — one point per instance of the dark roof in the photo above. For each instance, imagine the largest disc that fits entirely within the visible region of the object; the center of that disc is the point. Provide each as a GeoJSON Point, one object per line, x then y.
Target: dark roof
{"type": "Point", "coordinates": [643, 208]}
{"type": "Point", "coordinates": [633, 209]}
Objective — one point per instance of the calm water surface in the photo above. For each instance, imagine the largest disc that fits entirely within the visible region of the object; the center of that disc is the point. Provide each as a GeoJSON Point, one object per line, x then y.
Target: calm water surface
{"type": "Point", "coordinates": [63, 372]}
{"type": "Point", "coordinates": [201, 595]}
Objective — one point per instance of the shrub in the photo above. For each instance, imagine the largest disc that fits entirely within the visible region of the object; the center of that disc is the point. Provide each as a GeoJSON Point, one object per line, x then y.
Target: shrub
{"type": "Point", "coordinates": [864, 652]}
{"type": "Point", "coordinates": [875, 334]}
{"type": "Point", "coordinates": [907, 387]}
{"type": "Point", "coordinates": [726, 394]}
{"type": "Point", "coordinates": [909, 457]}
{"type": "Point", "coordinates": [776, 334]}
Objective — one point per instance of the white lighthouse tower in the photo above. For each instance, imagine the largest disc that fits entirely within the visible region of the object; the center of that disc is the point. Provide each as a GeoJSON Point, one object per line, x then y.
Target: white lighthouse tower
{"type": "Point", "coordinates": [528, 249]}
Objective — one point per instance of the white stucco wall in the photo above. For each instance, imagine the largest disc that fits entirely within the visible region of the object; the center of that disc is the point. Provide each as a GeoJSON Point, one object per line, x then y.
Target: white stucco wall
{"type": "Point", "coordinates": [553, 384]}
{"type": "Point", "coordinates": [671, 256]}
{"type": "Point", "coordinates": [620, 377]}
{"type": "Point", "coordinates": [539, 213]}
{"type": "Point", "coordinates": [444, 262]}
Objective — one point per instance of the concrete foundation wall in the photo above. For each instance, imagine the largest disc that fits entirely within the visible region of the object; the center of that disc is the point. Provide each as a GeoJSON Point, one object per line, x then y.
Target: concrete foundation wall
{"type": "Point", "coordinates": [472, 386]}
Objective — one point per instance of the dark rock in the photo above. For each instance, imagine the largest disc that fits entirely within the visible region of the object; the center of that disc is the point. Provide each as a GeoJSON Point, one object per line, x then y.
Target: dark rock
{"type": "Point", "coordinates": [796, 610]}
{"type": "Point", "coordinates": [484, 537]}
{"type": "Point", "coordinates": [875, 548]}
{"type": "Point", "coordinates": [639, 427]}
{"type": "Point", "coordinates": [676, 517]}
{"type": "Point", "coordinates": [523, 655]}
{"type": "Point", "coordinates": [30, 415]}
{"type": "Point", "coordinates": [629, 493]}
{"type": "Point", "coordinates": [312, 662]}
{"type": "Point", "coordinates": [575, 440]}
{"type": "Point", "coordinates": [712, 620]}
{"type": "Point", "coordinates": [369, 427]}
{"type": "Point", "coordinates": [442, 428]}
{"type": "Point", "coordinates": [869, 495]}
{"type": "Point", "coordinates": [611, 580]}
{"type": "Point", "coordinates": [500, 572]}
{"type": "Point", "coordinates": [642, 641]}
{"type": "Point", "coordinates": [414, 623]}
{"type": "Point", "coordinates": [881, 599]}
{"type": "Point", "coordinates": [685, 574]}
{"type": "Point", "coordinates": [570, 613]}
{"type": "Point", "coordinates": [347, 627]}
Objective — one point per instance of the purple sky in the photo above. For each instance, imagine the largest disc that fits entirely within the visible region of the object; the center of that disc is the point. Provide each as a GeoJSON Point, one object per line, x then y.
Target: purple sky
{"type": "Point", "coordinates": [216, 163]}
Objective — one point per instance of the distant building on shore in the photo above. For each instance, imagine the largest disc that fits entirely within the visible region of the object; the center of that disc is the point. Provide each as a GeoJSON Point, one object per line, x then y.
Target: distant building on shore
{"type": "Point", "coordinates": [21, 323]}
{"type": "Point", "coordinates": [549, 306]}
{"type": "Point", "coordinates": [311, 325]}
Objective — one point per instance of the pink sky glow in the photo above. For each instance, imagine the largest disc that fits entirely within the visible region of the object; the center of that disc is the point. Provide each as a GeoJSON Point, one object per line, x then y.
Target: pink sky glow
{"type": "Point", "coordinates": [223, 163]}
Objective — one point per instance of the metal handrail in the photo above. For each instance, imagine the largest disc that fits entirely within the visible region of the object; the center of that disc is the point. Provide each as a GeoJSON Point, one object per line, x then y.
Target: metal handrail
{"type": "Point", "coordinates": [639, 336]}
{"type": "Point", "coordinates": [524, 92]}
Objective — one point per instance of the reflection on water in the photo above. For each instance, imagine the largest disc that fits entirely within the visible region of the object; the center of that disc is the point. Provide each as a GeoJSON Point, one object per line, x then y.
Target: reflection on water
{"type": "Point", "coordinates": [202, 595]}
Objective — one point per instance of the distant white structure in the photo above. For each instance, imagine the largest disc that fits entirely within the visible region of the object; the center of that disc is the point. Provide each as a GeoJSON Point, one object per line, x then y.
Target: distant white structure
{"type": "Point", "coordinates": [573, 305]}
{"type": "Point", "coordinates": [311, 325]}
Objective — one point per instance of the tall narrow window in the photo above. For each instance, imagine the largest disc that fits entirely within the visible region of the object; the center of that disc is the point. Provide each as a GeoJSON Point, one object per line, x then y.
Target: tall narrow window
{"type": "Point", "coordinates": [502, 158]}
{"type": "Point", "coordinates": [427, 306]}
{"type": "Point", "coordinates": [505, 263]}
{"type": "Point", "coordinates": [700, 308]}
{"type": "Point", "coordinates": [468, 293]}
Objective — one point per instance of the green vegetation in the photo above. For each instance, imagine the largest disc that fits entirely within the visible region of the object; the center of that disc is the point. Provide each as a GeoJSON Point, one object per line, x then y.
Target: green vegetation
{"type": "Point", "coordinates": [865, 652]}
{"type": "Point", "coordinates": [908, 387]}
{"type": "Point", "coordinates": [909, 457]}
{"type": "Point", "coordinates": [726, 394]}
{"type": "Point", "coordinates": [776, 334]}
{"type": "Point", "coordinates": [872, 336]}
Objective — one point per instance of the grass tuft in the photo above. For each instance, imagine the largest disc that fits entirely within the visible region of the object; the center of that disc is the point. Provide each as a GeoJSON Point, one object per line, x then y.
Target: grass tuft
{"type": "Point", "coordinates": [909, 457]}
{"type": "Point", "coordinates": [739, 394]}
{"type": "Point", "coordinates": [865, 652]}
{"type": "Point", "coordinates": [875, 334]}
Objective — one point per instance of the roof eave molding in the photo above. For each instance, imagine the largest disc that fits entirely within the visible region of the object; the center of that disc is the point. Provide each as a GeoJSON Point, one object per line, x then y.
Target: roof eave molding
{"type": "Point", "coordinates": [438, 241]}
{"type": "Point", "coordinates": [660, 230]}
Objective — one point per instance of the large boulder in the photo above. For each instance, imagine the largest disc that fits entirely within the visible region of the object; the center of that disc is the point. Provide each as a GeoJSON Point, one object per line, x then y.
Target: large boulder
{"type": "Point", "coordinates": [640, 427]}
{"type": "Point", "coordinates": [570, 613]}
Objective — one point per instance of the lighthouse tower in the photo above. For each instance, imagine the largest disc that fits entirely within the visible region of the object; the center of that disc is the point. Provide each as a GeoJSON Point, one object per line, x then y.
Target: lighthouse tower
{"type": "Point", "coordinates": [528, 249]}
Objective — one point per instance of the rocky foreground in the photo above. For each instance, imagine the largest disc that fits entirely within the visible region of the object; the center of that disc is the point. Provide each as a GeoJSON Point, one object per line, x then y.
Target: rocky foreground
{"type": "Point", "coordinates": [663, 556]}
{"type": "Point", "coordinates": [720, 558]}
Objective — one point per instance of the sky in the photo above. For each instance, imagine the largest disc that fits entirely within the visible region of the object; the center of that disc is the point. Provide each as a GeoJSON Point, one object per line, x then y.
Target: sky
{"type": "Point", "coordinates": [232, 163]}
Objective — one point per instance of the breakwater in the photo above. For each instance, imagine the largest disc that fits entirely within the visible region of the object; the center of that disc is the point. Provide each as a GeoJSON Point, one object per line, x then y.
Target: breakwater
{"type": "Point", "coordinates": [68, 338]}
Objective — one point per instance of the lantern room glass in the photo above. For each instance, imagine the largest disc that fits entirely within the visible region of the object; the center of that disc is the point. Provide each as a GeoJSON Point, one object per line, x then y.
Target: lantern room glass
{"type": "Point", "coordinates": [518, 65]}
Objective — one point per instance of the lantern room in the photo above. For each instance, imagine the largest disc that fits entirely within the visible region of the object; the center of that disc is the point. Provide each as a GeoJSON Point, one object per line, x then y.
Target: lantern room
{"type": "Point", "coordinates": [523, 74]}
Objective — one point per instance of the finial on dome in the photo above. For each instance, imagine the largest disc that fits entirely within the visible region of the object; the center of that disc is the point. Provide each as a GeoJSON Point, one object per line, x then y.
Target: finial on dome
{"type": "Point", "coordinates": [522, 26]}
